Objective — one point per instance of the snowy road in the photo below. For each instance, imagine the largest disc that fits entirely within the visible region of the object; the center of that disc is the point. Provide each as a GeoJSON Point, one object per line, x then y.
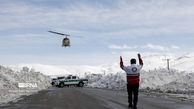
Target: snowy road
{"type": "Point", "coordinates": [86, 98]}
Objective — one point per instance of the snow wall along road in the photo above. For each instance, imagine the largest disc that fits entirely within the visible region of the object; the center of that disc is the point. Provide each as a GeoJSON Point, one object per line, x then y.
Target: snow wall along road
{"type": "Point", "coordinates": [29, 80]}
{"type": "Point", "coordinates": [159, 80]}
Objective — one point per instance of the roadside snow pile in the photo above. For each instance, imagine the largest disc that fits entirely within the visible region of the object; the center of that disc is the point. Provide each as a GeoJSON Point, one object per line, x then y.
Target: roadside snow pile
{"type": "Point", "coordinates": [172, 81]}
{"type": "Point", "coordinates": [160, 80]}
{"type": "Point", "coordinates": [110, 81]}
{"type": "Point", "coordinates": [10, 80]}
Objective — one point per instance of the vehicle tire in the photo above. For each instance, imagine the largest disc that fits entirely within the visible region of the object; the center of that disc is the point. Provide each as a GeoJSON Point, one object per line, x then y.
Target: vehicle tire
{"type": "Point", "coordinates": [61, 85]}
{"type": "Point", "coordinates": [81, 84]}
{"type": "Point", "coordinates": [52, 83]}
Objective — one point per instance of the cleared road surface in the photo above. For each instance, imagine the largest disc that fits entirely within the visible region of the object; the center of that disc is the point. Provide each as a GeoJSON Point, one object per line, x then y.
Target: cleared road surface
{"type": "Point", "coordinates": [87, 98]}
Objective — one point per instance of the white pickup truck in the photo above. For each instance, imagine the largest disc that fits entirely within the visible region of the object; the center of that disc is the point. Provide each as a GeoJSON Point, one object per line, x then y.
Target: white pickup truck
{"type": "Point", "coordinates": [71, 80]}
{"type": "Point", "coordinates": [54, 80]}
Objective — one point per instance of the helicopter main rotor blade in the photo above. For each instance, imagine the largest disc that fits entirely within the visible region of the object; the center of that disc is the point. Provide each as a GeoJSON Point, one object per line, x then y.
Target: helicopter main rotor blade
{"type": "Point", "coordinates": [59, 33]}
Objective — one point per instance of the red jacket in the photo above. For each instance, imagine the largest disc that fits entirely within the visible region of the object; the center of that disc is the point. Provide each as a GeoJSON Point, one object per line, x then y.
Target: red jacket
{"type": "Point", "coordinates": [133, 71]}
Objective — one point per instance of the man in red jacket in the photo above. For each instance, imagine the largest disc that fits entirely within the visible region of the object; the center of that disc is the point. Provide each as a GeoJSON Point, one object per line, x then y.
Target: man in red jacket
{"type": "Point", "coordinates": [133, 78]}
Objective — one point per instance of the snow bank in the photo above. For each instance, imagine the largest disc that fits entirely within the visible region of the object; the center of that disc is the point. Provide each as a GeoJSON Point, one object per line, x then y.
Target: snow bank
{"type": "Point", "coordinates": [110, 81]}
{"type": "Point", "coordinates": [173, 81]}
{"type": "Point", "coordinates": [160, 80]}
{"type": "Point", "coordinates": [154, 77]}
{"type": "Point", "coordinates": [9, 79]}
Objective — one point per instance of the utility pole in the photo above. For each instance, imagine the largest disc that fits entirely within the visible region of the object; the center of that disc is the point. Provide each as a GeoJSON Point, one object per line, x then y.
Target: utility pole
{"type": "Point", "coordinates": [168, 63]}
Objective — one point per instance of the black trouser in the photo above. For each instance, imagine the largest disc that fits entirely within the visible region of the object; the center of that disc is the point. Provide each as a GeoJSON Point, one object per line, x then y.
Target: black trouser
{"type": "Point", "coordinates": [133, 90]}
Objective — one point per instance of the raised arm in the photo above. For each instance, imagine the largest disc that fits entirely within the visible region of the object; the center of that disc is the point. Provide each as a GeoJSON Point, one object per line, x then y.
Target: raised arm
{"type": "Point", "coordinates": [121, 62]}
{"type": "Point", "coordinates": [140, 59]}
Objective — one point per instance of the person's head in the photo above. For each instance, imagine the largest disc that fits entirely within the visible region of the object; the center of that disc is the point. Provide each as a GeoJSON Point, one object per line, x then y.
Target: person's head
{"type": "Point", "coordinates": [133, 61]}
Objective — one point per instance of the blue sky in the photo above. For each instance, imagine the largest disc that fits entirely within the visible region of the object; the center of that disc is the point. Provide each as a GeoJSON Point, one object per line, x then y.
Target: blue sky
{"type": "Point", "coordinates": [110, 28]}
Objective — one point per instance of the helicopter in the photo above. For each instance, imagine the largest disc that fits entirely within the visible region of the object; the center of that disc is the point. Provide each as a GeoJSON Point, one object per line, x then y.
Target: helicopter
{"type": "Point", "coordinates": [65, 41]}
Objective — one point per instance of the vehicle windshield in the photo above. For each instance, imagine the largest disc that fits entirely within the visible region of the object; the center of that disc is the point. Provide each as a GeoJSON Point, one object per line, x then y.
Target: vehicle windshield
{"type": "Point", "coordinates": [60, 77]}
{"type": "Point", "coordinates": [69, 77]}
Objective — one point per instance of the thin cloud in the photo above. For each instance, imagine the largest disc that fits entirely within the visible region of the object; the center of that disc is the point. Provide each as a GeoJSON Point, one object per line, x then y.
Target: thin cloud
{"type": "Point", "coordinates": [143, 17]}
{"type": "Point", "coordinates": [121, 19]}
{"type": "Point", "coordinates": [147, 46]}
{"type": "Point", "coordinates": [155, 47]}
{"type": "Point", "coordinates": [175, 47]}
{"type": "Point", "coordinates": [121, 47]}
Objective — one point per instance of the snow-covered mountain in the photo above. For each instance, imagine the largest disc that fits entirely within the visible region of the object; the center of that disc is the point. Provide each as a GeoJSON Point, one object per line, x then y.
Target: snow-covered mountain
{"type": "Point", "coordinates": [151, 61]}
{"type": "Point", "coordinates": [184, 63]}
